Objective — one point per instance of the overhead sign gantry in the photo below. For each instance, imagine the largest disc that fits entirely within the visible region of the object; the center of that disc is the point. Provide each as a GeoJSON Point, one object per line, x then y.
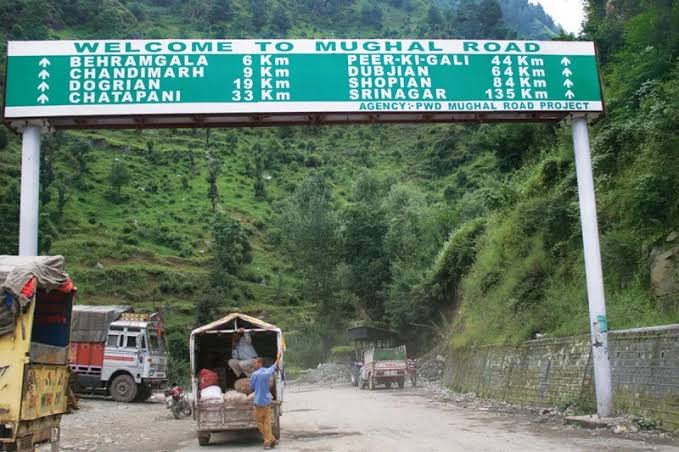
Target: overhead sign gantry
{"type": "Point", "coordinates": [184, 83]}
{"type": "Point", "coordinates": [203, 83]}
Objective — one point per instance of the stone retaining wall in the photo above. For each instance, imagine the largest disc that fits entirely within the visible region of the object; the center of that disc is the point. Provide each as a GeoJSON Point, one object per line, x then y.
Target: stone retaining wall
{"type": "Point", "coordinates": [558, 372]}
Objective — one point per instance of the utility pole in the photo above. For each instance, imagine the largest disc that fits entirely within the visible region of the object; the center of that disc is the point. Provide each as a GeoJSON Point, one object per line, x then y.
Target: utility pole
{"type": "Point", "coordinates": [30, 190]}
{"type": "Point", "coordinates": [595, 281]}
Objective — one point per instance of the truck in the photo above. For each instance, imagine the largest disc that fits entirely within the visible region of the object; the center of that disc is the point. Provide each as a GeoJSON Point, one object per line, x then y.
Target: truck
{"type": "Point", "coordinates": [210, 348]}
{"type": "Point", "coordinates": [36, 296]}
{"type": "Point", "coordinates": [386, 366]}
{"type": "Point", "coordinates": [117, 352]}
{"type": "Point", "coordinates": [366, 337]}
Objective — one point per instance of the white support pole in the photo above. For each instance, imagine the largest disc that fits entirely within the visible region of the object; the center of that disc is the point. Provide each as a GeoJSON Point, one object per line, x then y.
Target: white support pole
{"type": "Point", "coordinates": [595, 280]}
{"type": "Point", "coordinates": [30, 190]}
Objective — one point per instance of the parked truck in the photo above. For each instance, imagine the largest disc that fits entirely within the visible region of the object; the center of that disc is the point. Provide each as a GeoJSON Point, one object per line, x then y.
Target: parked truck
{"type": "Point", "coordinates": [36, 296]}
{"type": "Point", "coordinates": [117, 352]}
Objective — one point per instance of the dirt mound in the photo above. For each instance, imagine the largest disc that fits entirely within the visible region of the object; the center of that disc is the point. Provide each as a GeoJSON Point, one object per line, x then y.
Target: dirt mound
{"type": "Point", "coordinates": [325, 374]}
{"type": "Point", "coordinates": [430, 367]}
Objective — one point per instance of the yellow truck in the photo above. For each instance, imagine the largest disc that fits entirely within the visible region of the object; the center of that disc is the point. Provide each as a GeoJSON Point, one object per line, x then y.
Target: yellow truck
{"type": "Point", "coordinates": [36, 298]}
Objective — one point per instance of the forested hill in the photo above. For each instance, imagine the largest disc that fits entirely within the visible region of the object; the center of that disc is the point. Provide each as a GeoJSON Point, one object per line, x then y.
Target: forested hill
{"type": "Point", "coordinates": [466, 233]}
{"type": "Point", "coordinates": [58, 19]}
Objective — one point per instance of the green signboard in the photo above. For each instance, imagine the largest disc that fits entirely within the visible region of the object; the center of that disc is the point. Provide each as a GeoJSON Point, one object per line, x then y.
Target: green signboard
{"type": "Point", "coordinates": [172, 82]}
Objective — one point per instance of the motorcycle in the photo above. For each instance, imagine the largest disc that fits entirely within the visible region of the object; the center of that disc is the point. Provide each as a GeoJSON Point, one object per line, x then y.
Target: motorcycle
{"type": "Point", "coordinates": [177, 401]}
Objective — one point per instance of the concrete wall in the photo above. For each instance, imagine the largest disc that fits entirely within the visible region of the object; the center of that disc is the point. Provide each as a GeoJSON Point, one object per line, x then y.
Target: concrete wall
{"type": "Point", "coordinates": [558, 372]}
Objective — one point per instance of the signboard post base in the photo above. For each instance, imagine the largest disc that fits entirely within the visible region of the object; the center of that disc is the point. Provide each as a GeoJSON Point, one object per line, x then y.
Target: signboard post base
{"type": "Point", "coordinates": [30, 190]}
{"type": "Point", "coordinates": [595, 281]}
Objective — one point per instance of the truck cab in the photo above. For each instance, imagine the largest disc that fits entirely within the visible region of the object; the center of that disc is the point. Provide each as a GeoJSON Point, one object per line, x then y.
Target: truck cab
{"type": "Point", "coordinates": [125, 358]}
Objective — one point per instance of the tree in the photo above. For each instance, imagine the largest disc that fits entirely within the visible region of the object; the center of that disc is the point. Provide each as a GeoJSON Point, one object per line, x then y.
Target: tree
{"type": "Point", "coordinates": [371, 14]}
{"type": "Point", "coordinates": [489, 15]}
{"type": "Point", "coordinates": [208, 306]}
{"type": "Point", "coordinates": [221, 10]}
{"type": "Point", "coordinates": [410, 244]}
{"type": "Point", "coordinates": [47, 232]}
{"type": "Point", "coordinates": [363, 231]}
{"type": "Point", "coordinates": [434, 17]}
{"type": "Point", "coordinates": [309, 234]}
{"type": "Point", "coordinates": [232, 246]}
{"type": "Point", "coordinates": [260, 189]}
{"type": "Point", "coordinates": [214, 168]}
{"type": "Point", "coordinates": [258, 10]}
{"type": "Point", "coordinates": [118, 177]}
{"type": "Point", "coordinates": [4, 140]}
{"type": "Point", "coordinates": [81, 152]}
{"type": "Point", "coordinates": [113, 19]}
{"type": "Point", "coordinates": [281, 21]}
{"type": "Point", "coordinates": [62, 198]}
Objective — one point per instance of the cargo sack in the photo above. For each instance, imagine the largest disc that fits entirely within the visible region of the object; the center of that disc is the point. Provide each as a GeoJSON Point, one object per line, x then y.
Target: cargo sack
{"type": "Point", "coordinates": [243, 386]}
{"type": "Point", "coordinates": [206, 378]}
{"type": "Point", "coordinates": [211, 394]}
{"type": "Point", "coordinates": [232, 396]}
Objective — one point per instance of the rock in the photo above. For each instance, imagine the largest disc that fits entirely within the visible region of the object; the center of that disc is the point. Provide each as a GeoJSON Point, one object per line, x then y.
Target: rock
{"type": "Point", "coordinates": [672, 237]}
{"type": "Point", "coordinates": [665, 271]}
{"type": "Point", "coordinates": [99, 265]}
{"type": "Point", "coordinates": [634, 429]}
{"type": "Point", "coordinates": [431, 369]}
{"type": "Point", "coordinates": [620, 429]}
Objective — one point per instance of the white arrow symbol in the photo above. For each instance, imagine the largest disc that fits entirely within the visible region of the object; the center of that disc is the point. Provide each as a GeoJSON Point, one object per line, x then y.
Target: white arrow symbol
{"type": "Point", "coordinates": [43, 98]}
{"type": "Point", "coordinates": [43, 86]}
{"type": "Point", "coordinates": [43, 74]}
{"type": "Point", "coordinates": [44, 62]}
{"type": "Point", "coordinates": [568, 83]}
{"type": "Point", "coordinates": [565, 61]}
{"type": "Point", "coordinates": [567, 72]}
{"type": "Point", "coordinates": [570, 94]}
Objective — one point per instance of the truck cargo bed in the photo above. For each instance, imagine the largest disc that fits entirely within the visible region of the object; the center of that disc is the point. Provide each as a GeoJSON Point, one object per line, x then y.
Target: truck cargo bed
{"type": "Point", "coordinates": [228, 416]}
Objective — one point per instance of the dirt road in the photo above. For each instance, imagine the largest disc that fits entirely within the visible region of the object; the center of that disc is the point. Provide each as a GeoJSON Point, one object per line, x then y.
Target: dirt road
{"type": "Point", "coordinates": [344, 418]}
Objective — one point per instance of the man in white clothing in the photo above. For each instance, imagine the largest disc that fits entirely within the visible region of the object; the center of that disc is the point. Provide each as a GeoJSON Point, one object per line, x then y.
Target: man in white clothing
{"type": "Point", "coordinates": [243, 354]}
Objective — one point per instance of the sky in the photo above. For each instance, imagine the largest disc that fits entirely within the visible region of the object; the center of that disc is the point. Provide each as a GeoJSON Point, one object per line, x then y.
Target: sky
{"type": "Point", "coordinates": [567, 13]}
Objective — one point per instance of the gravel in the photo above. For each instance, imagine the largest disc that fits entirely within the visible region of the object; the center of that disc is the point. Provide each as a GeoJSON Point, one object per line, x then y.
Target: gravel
{"type": "Point", "coordinates": [326, 374]}
{"type": "Point", "coordinates": [430, 368]}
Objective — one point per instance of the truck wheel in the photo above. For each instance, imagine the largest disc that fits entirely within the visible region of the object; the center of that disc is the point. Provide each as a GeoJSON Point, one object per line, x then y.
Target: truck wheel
{"type": "Point", "coordinates": [203, 438]}
{"type": "Point", "coordinates": [276, 427]}
{"type": "Point", "coordinates": [371, 383]}
{"type": "Point", "coordinates": [123, 388]}
{"type": "Point", "coordinates": [387, 385]}
{"type": "Point", "coordinates": [401, 382]}
{"type": "Point", "coordinates": [143, 393]}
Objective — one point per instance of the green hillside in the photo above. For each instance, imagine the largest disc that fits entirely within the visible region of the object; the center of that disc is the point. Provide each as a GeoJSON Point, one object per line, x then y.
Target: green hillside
{"type": "Point", "coordinates": [467, 233]}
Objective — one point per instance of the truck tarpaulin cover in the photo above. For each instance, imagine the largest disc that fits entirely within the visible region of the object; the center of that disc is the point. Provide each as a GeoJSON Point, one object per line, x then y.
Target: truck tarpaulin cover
{"type": "Point", "coordinates": [20, 276]}
{"type": "Point", "coordinates": [90, 323]}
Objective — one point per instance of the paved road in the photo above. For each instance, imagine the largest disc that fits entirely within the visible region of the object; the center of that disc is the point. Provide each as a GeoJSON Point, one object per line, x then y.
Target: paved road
{"type": "Point", "coordinates": [344, 418]}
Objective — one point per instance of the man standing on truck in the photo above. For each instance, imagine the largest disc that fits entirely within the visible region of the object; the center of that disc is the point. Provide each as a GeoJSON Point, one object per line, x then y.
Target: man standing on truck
{"type": "Point", "coordinates": [259, 383]}
{"type": "Point", "coordinates": [243, 354]}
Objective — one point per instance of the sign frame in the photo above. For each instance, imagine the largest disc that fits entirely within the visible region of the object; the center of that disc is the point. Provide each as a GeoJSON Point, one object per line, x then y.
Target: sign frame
{"type": "Point", "coordinates": [256, 118]}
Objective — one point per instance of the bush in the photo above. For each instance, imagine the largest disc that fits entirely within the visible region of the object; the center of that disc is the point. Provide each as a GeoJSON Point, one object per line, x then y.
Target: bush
{"type": "Point", "coordinates": [4, 140]}
{"type": "Point", "coordinates": [231, 244]}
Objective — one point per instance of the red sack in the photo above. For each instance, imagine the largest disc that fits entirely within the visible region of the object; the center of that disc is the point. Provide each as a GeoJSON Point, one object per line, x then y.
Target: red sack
{"type": "Point", "coordinates": [206, 378]}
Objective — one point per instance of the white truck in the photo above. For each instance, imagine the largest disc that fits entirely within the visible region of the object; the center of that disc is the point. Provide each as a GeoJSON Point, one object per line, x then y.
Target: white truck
{"type": "Point", "coordinates": [117, 352]}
